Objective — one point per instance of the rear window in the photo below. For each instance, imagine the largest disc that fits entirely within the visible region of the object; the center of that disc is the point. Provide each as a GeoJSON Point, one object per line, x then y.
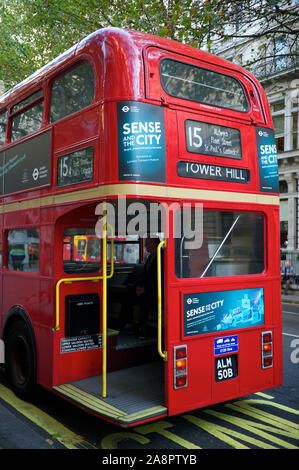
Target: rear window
{"type": "Point", "coordinates": [232, 245]}
{"type": "Point", "coordinates": [194, 83]}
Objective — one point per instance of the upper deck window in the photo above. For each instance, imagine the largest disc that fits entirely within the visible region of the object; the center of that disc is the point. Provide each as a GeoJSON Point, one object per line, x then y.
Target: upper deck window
{"type": "Point", "coordinates": [72, 91]}
{"type": "Point", "coordinates": [201, 85]}
{"type": "Point", "coordinates": [3, 121]}
{"type": "Point", "coordinates": [30, 120]}
{"type": "Point", "coordinates": [30, 99]}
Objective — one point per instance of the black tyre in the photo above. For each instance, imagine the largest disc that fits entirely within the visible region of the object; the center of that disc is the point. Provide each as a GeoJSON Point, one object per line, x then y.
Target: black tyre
{"type": "Point", "coordinates": [20, 361]}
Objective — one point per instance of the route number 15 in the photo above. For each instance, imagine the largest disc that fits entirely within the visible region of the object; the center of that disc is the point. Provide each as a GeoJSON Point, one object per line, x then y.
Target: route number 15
{"type": "Point", "coordinates": [194, 137]}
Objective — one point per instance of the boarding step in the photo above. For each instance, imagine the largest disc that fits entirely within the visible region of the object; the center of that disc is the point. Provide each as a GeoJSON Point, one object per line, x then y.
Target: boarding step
{"type": "Point", "coordinates": [133, 395]}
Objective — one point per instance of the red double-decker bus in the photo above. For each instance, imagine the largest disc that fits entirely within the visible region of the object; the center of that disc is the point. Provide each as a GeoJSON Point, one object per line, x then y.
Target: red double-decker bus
{"type": "Point", "coordinates": [127, 122]}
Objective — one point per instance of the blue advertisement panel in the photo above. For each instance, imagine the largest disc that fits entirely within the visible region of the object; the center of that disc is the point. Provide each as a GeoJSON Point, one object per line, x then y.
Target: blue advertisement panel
{"type": "Point", "coordinates": [141, 142]}
{"type": "Point", "coordinates": [210, 312]}
{"type": "Point", "coordinates": [267, 158]}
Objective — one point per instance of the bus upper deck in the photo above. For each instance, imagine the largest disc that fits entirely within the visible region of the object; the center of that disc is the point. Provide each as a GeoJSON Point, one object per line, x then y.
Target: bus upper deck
{"type": "Point", "coordinates": [123, 93]}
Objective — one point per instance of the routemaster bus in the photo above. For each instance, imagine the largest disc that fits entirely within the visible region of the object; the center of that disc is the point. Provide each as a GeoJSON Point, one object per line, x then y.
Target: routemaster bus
{"type": "Point", "coordinates": [91, 145]}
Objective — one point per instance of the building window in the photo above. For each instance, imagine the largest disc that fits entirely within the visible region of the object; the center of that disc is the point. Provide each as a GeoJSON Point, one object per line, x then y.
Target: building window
{"type": "Point", "coordinates": [278, 124]}
{"type": "Point", "coordinates": [278, 106]}
{"type": "Point", "coordinates": [284, 223]}
{"type": "Point", "coordinates": [286, 124]}
{"type": "Point", "coordinates": [283, 186]}
{"type": "Point", "coordinates": [281, 53]}
{"type": "Point", "coordinates": [295, 125]}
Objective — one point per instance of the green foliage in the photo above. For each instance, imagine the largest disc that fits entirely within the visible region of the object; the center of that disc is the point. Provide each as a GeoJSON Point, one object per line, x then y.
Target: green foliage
{"type": "Point", "coordinates": [32, 32]}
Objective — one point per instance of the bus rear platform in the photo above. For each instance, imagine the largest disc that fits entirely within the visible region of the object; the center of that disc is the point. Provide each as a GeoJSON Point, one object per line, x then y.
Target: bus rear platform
{"type": "Point", "coordinates": [134, 394]}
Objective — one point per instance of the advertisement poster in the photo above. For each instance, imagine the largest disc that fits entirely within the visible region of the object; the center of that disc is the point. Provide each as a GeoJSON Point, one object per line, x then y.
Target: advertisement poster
{"type": "Point", "coordinates": [210, 312]}
{"type": "Point", "coordinates": [26, 165]}
{"type": "Point", "coordinates": [141, 142]}
{"type": "Point", "coordinates": [267, 158]}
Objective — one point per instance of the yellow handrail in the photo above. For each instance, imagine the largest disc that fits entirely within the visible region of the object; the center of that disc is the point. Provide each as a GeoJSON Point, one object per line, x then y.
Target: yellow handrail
{"type": "Point", "coordinates": [104, 298]}
{"type": "Point", "coordinates": [163, 354]}
{"type": "Point", "coordinates": [104, 277]}
{"type": "Point", "coordinates": [69, 280]}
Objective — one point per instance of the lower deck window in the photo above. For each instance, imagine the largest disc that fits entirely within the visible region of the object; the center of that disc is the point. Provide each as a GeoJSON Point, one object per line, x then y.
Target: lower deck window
{"type": "Point", "coordinates": [232, 245]}
{"type": "Point", "coordinates": [23, 250]}
{"type": "Point", "coordinates": [82, 251]}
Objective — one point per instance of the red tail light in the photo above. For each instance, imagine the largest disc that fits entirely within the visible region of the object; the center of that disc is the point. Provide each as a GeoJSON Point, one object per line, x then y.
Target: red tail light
{"type": "Point", "coordinates": [267, 351]}
{"type": "Point", "coordinates": [180, 366]}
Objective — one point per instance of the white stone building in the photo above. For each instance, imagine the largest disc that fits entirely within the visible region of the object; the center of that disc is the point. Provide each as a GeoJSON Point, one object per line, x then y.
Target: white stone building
{"type": "Point", "coordinates": [278, 71]}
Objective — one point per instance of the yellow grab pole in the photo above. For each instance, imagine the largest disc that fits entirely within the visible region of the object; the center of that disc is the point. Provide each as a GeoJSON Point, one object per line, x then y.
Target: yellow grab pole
{"type": "Point", "coordinates": [161, 245]}
{"type": "Point", "coordinates": [104, 277]}
{"type": "Point", "coordinates": [104, 303]}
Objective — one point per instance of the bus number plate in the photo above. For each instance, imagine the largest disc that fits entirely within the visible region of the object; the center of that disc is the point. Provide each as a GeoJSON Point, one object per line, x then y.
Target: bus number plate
{"type": "Point", "coordinates": [226, 368]}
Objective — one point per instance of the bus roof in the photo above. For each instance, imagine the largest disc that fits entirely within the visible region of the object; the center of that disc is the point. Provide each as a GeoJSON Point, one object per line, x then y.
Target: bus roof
{"type": "Point", "coordinates": [131, 43]}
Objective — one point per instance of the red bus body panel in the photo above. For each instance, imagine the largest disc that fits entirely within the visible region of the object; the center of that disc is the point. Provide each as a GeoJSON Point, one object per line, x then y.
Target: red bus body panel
{"type": "Point", "coordinates": [126, 66]}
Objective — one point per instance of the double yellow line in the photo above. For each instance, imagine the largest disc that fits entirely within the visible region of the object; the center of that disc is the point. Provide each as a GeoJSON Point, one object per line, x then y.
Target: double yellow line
{"type": "Point", "coordinates": [56, 430]}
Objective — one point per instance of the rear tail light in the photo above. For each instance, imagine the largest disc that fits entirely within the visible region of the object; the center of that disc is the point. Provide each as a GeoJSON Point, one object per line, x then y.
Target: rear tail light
{"type": "Point", "coordinates": [180, 366]}
{"type": "Point", "coordinates": [267, 349]}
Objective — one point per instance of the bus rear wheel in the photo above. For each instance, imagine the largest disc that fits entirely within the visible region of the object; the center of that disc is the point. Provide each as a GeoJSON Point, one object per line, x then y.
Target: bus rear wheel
{"type": "Point", "coordinates": [20, 361]}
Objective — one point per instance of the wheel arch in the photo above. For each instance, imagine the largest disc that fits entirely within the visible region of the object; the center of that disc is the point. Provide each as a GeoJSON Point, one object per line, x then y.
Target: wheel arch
{"type": "Point", "coordinates": [18, 313]}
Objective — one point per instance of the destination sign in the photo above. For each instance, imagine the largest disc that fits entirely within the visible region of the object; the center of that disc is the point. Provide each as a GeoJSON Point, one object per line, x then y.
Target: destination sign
{"type": "Point", "coordinates": [212, 139]}
{"type": "Point", "coordinates": [212, 172]}
{"type": "Point", "coordinates": [75, 167]}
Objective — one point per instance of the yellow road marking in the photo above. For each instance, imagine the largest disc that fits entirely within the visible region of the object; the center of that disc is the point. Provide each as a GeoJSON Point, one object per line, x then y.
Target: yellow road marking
{"type": "Point", "coordinates": [264, 395]}
{"type": "Point", "coordinates": [160, 427]}
{"type": "Point", "coordinates": [55, 429]}
{"type": "Point", "coordinates": [256, 428]}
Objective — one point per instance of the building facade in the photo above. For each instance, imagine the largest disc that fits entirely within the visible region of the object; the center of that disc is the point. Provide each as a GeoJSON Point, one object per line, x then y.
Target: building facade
{"type": "Point", "coordinates": [278, 73]}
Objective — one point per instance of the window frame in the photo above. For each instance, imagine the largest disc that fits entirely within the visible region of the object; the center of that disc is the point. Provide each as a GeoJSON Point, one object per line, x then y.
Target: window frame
{"type": "Point", "coordinates": [27, 107]}
{"type": "Point", "coordinates": [5, 260]}
{"type": "Point", "coordinates": [211, 71]}
{"type": "Point", "coordinates": [59, 77]}
{"type": "Point", "coordinates": [4, 113]}
{"type": "Point", "coordinates": [216, 278]}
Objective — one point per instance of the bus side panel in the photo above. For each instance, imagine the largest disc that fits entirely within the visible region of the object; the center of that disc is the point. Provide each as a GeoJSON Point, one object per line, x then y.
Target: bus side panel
{"type": "Point", "coordinates": [74, 364]}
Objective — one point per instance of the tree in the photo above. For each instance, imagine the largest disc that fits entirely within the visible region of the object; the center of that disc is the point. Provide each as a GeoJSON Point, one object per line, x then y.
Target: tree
{"type": "Point", "coordinates": [32, 32]}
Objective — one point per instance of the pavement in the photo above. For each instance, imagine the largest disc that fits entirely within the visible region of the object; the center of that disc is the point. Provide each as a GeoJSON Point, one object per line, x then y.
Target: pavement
{"type": "Point", "coordinates": [292, 297]}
